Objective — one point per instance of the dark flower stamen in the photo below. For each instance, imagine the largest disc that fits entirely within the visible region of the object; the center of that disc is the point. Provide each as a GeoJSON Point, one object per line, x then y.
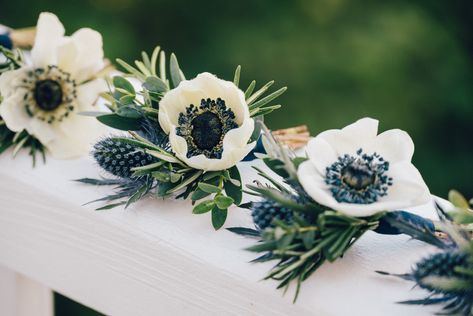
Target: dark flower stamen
{"type": "Point", "coordinates": [359, 179]}
{"type": "Point", "coordinates": [204, 127]}
{"type": "Point", "coordinates": [48, 94]}
{"type": "Point", "coordinates": [206, 130]}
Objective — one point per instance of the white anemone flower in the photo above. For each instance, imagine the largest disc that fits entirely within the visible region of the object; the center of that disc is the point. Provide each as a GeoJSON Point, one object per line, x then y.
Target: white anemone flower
{"type": "Point", "coordinates": [359, 173]}
{"type": "Point", "coordinates": [208, 122]}
{"type": "Point", "coordinates": [44, 96]}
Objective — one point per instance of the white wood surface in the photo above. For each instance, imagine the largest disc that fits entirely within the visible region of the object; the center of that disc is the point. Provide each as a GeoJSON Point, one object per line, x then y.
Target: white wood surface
{"type": "Point", "coordinates": [156, 258]}
{"type": "Point", "coordinates": [22, 296]}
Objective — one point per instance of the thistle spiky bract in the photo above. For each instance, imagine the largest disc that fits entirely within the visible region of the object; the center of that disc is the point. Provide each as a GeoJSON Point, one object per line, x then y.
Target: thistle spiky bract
{"type": "Point", "coordinates": [119, 158]}
{"type": "Point", "coordinates": [448, 275]}
{"type": "Point", "coordinates": [264, 212]}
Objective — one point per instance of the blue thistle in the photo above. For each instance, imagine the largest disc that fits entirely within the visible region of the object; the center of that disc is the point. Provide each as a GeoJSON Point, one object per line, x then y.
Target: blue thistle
{"type": "Point", "coordinates": [441, 265]}
{"type": "Point", "coordinates": [448, 276]}
{"type": "Point", "coordinates": [265, 211]}
{"type": "Point", "coordinates": [118, 157]}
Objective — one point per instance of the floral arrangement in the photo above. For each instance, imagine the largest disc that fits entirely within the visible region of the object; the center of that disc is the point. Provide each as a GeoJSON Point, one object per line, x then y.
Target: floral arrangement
{"type": "Point", "coordinates": [186, 137]}
{"type": "Point", "coordinates": [352, 181]}
{"type": "Point", "coordinates": [42, 91]}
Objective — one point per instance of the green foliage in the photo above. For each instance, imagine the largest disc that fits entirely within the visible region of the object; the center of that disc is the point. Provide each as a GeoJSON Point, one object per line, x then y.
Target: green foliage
{"type": "Point", "coordinates": [462, 213]}
{"type": "Point", "coordinates": [312, 236]}
{"type": "Point", "coordinates": [303, 246]}
{"type": "Point", "coordinates": [136, 110]}
{"type": "Point", "coordinates": [13, 59]}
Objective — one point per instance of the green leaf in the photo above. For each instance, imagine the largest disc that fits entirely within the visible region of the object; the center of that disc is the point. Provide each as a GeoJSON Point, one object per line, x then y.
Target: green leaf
{"type": "Point", "coordinates": [132, 70]}
{"type": "Point", "coordinates": [308, 239]}
{"type": "Point", "coordinates": [250, 89]}
{"type": "Point", "coordinates": [129, 112]}
{"type": "Point", "coordinates": [264, 246]}
{"type": "Point", "coordinates": [186, 182]}
{"type": "Point", "coordinates": [161, 176]}
{"type": "Point", "coordinates": [162, 67]}
{"type": "Point", "coordinates": [218, 217]}
{"type": "Point", "coordinates": [457, 199]}
{"type": "Point", "coordinates": [268, 98]}
{"type": "Point", "coordinates": [141, 66]}
{"type": "Point", "coordinates": [243, 231]}
{"type": "Point", "coordinates": [162, 156]}
{"type": "Point", "coordinates": [163, 189]}
{"type": "Point", "coordinates": [154, 84]}
{"type": "Point", "coordinates": [138, 194]}
{"type": "Point", "coordinates": [176, 74]}
{"type": "Point", "coordinates": [223, 202]}
{"type": "Point", "coordinates": [203, 207]}
{"type": "Point", "coordinates": [264, 111]}
{"type": "Point", "coordinates": [208, 187]}
{"type": "Point", "coordinates": [109, 206]}
{"type": "Point", "coordinates": [198, 195]}
{"type": "Point", "coordinates": [154, 59]}
{"type": "Point", "coordinates": [259, 122]}
{"type": "Point", "coordinates": [231, 189]}
{"type": "Point", "coordinates": [120, 122]}
{"type": "Point", "coordinates": [236, 77]}
{"type": "Point", "coordinates": [277, 166]}
{"type": "Point", "coordinates": [285, 240]}
{"type": "Point", "coordinates": [121, 83]}
{"type": "Point", "coordinates": [175, 177]}
{"type": "Point", "coordinates": [260, 92]}
{"type": "Point", "coordinates": [211, 174]}
{"type": "Point", "coordinates": [126, 99]}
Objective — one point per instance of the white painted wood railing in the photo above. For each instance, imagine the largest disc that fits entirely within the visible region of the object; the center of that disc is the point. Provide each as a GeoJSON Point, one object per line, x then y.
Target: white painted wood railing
{"type": "Point", "coordinates": [156, 258]}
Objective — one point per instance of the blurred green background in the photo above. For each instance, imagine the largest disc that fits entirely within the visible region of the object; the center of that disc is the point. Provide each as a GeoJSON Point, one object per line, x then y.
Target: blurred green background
{"type": "Point", "coordinates": [407, 63]}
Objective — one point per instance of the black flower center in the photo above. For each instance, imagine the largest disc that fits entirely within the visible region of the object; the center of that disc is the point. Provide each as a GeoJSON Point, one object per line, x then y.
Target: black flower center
{"type": "Point", "coordinates": [358, 176]}
{"type": "Point", "coordinates": [206, 130]}
{"type": "Point", "coordinates": [48, 94]}
{"type": "Point", "coordinates": [205, 126]}
{"type": "Point", "coordinates": [359, 179]}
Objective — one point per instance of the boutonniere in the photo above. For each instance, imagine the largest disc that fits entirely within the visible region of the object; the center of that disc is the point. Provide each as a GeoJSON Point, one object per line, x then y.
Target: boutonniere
{"type": "Point", "coordinates": [42, 92]}
{"type": "Point", "coordinates": [186, 137]}
{"type": "Point", "coordinates": [352, 181]}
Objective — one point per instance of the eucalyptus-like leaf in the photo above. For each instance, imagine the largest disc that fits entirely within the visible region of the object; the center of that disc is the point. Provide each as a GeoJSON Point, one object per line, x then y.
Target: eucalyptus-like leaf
{"type": "Point", "coordinates": [121, 83]}
{"type": "Point", "coordinates": [154, 84]}
{"type": "Point", "coordinates": [176, 75]}
{"type": "Point", "coordinates": [223, 202]}
{"type": "Point", "coordinates": [208, 187]}
{"type": "Point", "coordinates": [119, 122]}
{"type": "Point", "coordinates": [219, 217]}
{"type": "Point", "coordinates": [233, 189]}
{"type": "Point", "coordinates": [203, 207]}
{"type": "Point", "coordinates": [198, 195]}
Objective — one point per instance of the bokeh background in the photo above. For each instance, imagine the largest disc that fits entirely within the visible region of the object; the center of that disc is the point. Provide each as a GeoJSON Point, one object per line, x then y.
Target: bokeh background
{"type": "Point", "coordinates": [408, 63]}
